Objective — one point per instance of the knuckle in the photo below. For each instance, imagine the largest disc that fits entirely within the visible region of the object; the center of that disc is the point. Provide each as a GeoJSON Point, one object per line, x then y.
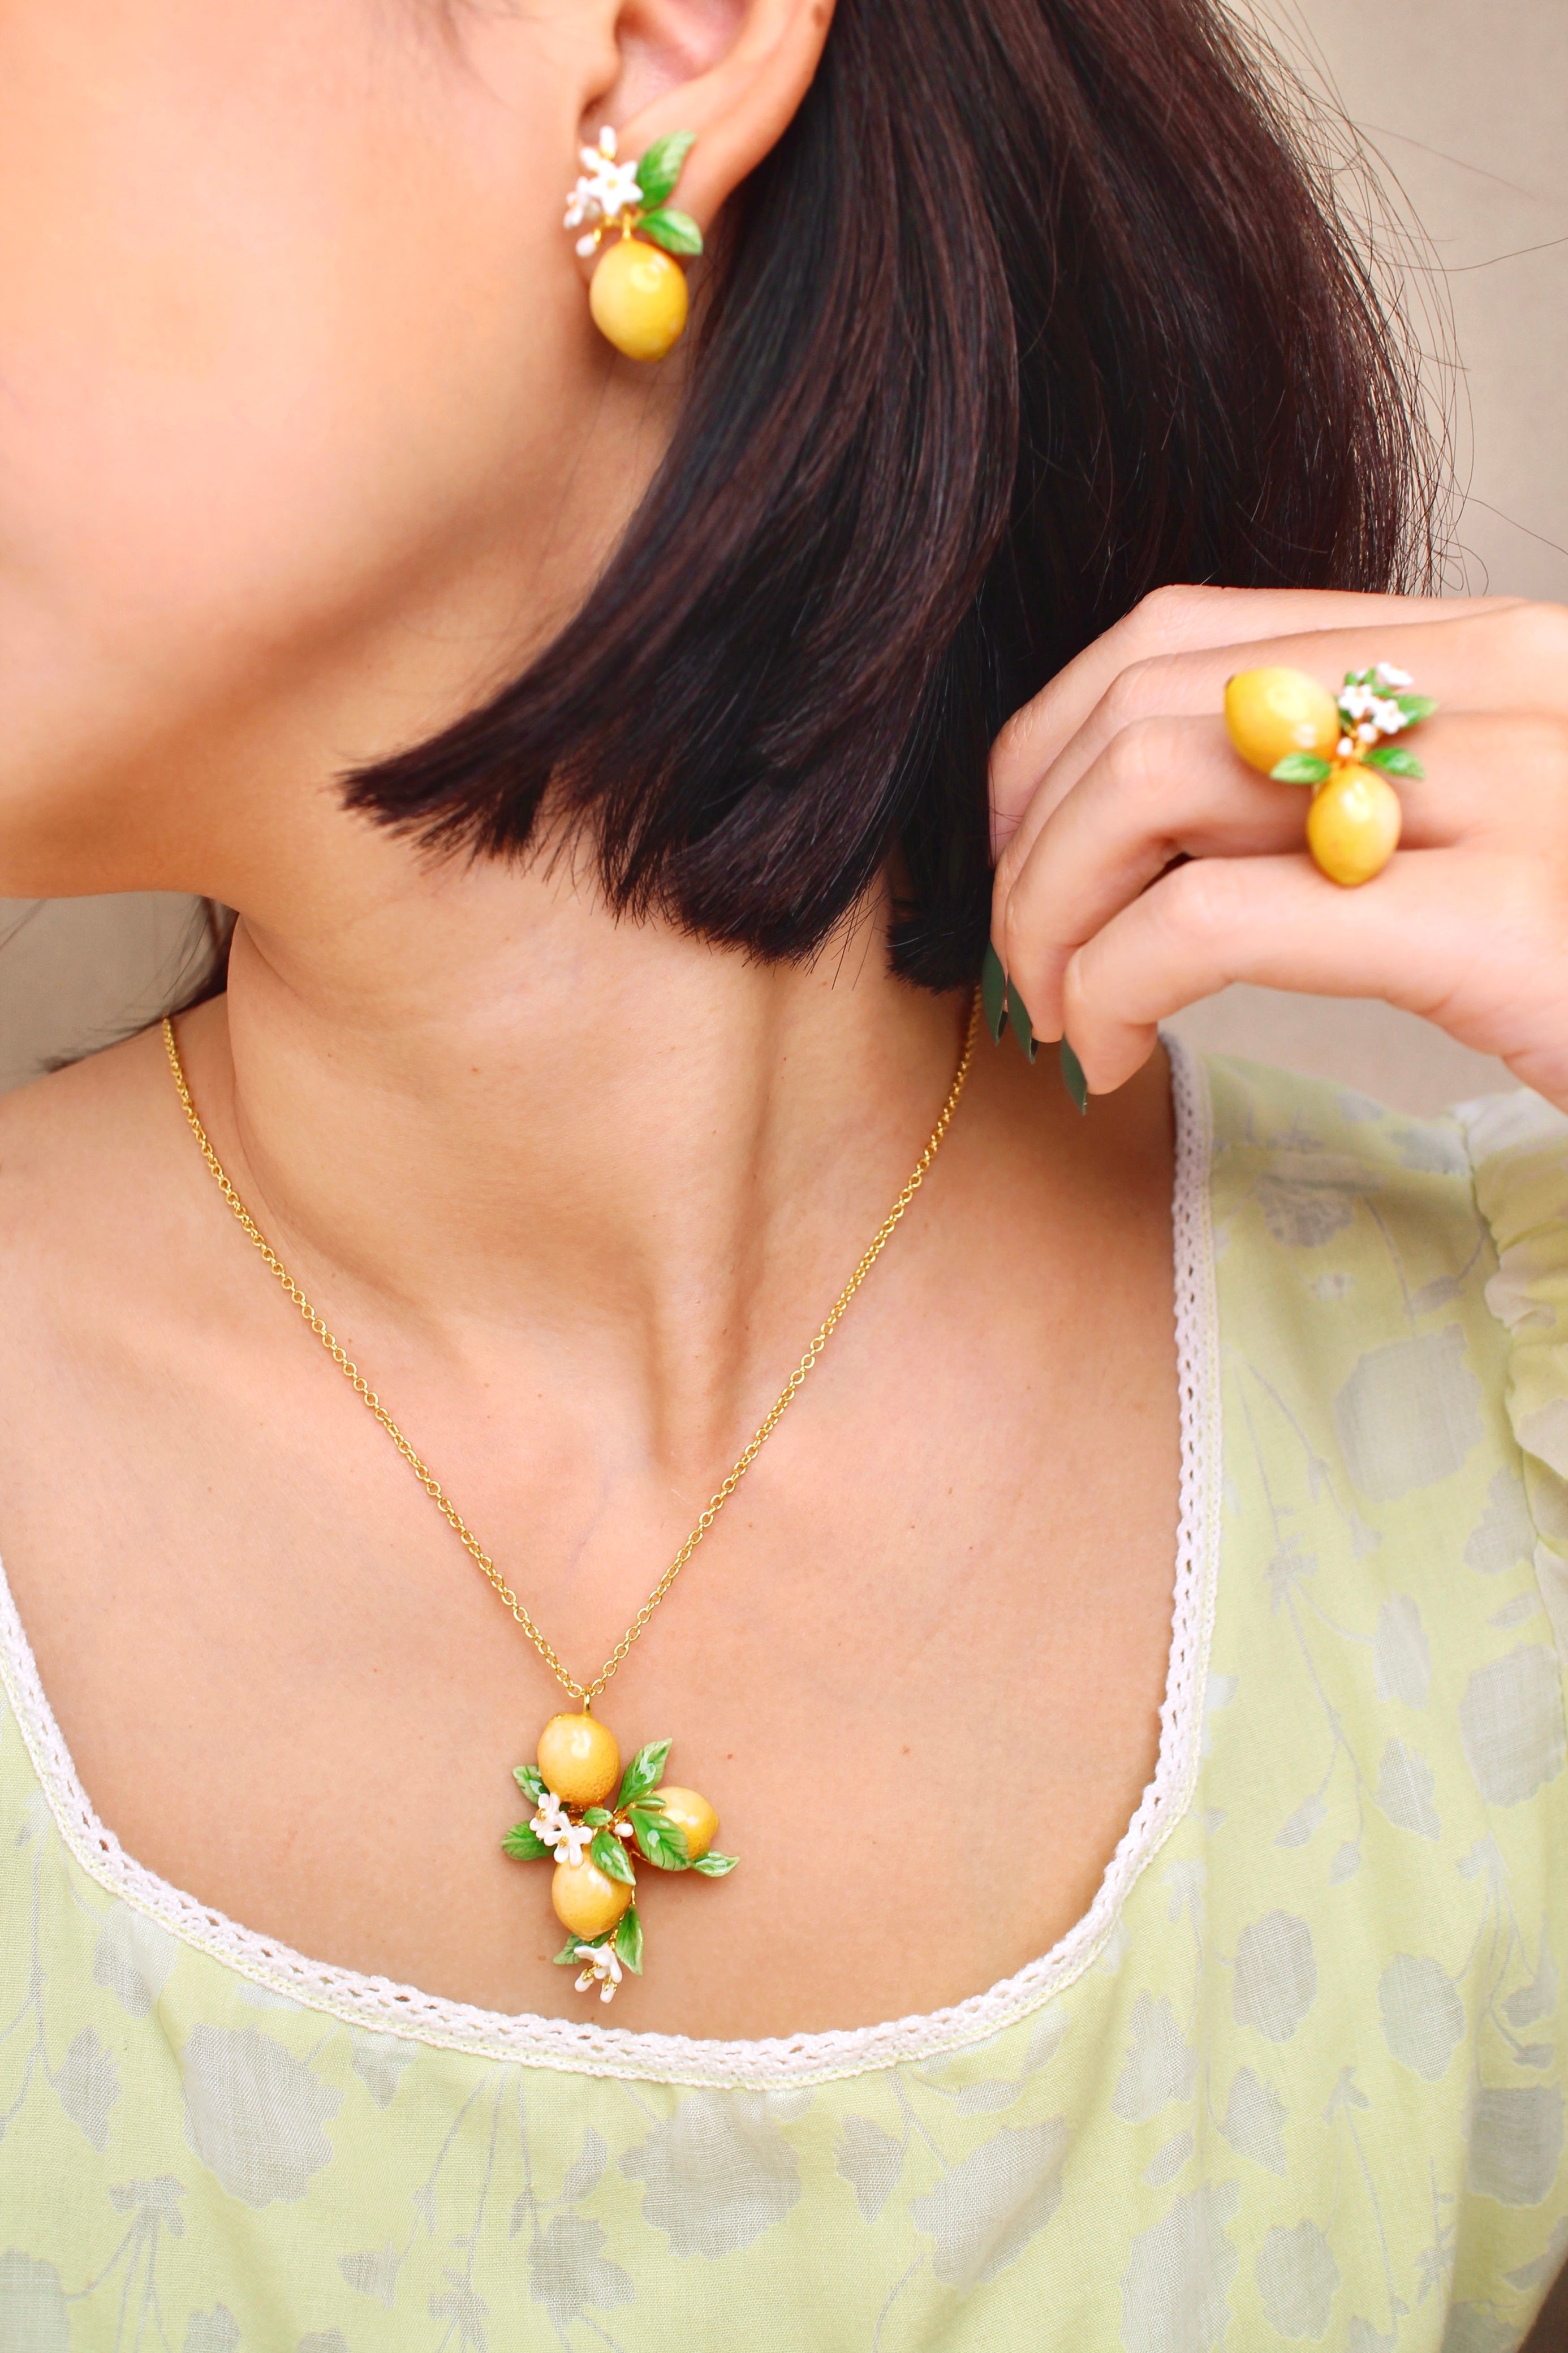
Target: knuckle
{"type": "Point", "coordinates": [1539, 632]}
{"type": "Point", "coordinates": [1137, 762]}
{"type": "Point", "coordinates": [1169, 614]}
{"type": "Point", "coordinates": [1134, 692]}
{"type": "Point", "coordinates": [1204, 899]}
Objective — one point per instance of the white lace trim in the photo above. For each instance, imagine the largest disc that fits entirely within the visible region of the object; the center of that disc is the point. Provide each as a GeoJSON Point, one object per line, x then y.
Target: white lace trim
{"type": "Point", "coordinates": [376, 2004]}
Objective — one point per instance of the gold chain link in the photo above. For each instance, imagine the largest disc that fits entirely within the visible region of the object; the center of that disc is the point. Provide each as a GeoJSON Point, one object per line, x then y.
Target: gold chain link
{"type": "Point", "coordinates": [586, 1693]}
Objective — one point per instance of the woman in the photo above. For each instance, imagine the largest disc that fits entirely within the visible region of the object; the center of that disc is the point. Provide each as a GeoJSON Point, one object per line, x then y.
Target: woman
{"type": "Point", "coordinates": [595, 752]}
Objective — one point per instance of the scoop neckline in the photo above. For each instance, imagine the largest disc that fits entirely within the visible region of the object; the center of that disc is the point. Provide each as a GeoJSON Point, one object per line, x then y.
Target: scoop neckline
{"type": "Point", "coordinates": [379, 2005]}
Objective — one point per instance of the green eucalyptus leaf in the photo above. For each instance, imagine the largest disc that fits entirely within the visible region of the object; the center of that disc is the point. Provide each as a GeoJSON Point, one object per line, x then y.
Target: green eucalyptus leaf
{"type": "Point", "coordinates": [663, 1842]}
{"type": "Point", "coordinates": [1300, 768]}
{"type": "Point", "coordinates": [1073, 1077]}
{"type": "Point", "coordinates": [531, 1781]}
{"type": "Point", "coordinates": [661, 165]}
{"type": "Point", "coordinates": [629, 1940]}
{"type": "Point", "coordinates": [714, 1867]}
{"type": "Point", "coordinates": [1416, 707]}
{"type": "Point", "coordinates": [521, 1844]}
{"type": "Point", "coordinates": [645, 1772]}
{"type": "Point", "coordinates": [597, 1815]}
{"type": "Point", "coordinates": [1393, 760]}
{"type": "Point", "coordinates": [1023, 1029]}
{"type": "Point", "coordinates": [994, 994]}
{"type": "Point", "coordinates": [612, 1859]}
{"type": "Point", "coordinates": [677, 232]}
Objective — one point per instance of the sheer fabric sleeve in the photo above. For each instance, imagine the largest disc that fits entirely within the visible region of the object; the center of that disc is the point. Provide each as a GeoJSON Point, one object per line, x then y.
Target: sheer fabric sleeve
{"type": "Point", "coordinates": [1518, 1146]}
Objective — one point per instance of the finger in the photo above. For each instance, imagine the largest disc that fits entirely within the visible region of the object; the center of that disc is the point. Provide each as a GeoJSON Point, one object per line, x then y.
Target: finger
{"type": "Point", "coordinates": [1167, 789]}
{"type": "Point", "coordinates": [1408, 938]}
{"type": "Point", "coordinates": [1507, 656]}
{"type": "Point", "coordinates": [1175, 621]}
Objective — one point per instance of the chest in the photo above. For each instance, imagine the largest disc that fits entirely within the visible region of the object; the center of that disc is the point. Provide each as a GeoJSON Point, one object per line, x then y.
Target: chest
{"type": "Point", "coordinates": [907, 1667]}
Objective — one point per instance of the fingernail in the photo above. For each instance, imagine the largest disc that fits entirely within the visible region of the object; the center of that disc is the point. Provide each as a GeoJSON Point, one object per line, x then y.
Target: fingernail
{"type": "Point", "coordinates": [1073, 1077]}
{"type": "Point", "coordinates": [994, 994]}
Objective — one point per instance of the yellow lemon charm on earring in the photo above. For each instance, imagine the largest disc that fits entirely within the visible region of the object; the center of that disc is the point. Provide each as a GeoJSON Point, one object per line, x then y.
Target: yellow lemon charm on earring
{"type": "Point", "coordinates": [637, 296]}
{"type": "Point", "coordinates": [1343, 747]}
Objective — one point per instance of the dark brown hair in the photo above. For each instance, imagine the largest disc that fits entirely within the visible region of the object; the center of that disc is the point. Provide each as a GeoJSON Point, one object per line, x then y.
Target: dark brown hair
{"type": "Point", "coordinates": [1036, 308]}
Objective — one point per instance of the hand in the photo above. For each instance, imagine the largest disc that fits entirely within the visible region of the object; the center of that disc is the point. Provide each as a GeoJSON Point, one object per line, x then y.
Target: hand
{"type": "Point", "coordinates": [1121, 765]}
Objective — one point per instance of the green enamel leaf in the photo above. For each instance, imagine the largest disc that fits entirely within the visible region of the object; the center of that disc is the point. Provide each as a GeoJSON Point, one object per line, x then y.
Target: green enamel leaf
{"type": "Point", "coordinates": [677, 232]}
{"type": "Point", "coordinates": [1415, 706]}
{"type": "Point", "coordinates": [1073, 1077]}
{"type": "Point", "coordinates": [1023, 1029]}
{"type": "Point", "coordinates": [645, 1772]}
{"type": "Point", "coordinates": [663, 1842]}
{"type": "Point", "coordinates": [714, 1867]}
{"type": "Point", "coordinates": [1393, 760]}
{"type": "Point", "coordinates": [597, 1815]}
{"type": "Point", "coordinates": [612, 1859]}
{"type": "Point", "coordinates": [568, 1952]}
{"type": "Point", "coordinates": [994, 994]}
{"type": "Point", "coordinates": [522, 1846]}
{"type": "Point", "coordinates": [629, 1940]}
{"type": "Point", "coordinates": [1300, 768]}
{"type": "Point", "coordinates": [661, 165]}
{"type": "Point", "coordinates": [531, 1781]}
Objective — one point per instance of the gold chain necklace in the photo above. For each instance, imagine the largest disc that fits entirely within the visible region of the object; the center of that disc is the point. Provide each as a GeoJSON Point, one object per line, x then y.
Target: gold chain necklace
{"type": "Point", "coordinates": [579, 1760]}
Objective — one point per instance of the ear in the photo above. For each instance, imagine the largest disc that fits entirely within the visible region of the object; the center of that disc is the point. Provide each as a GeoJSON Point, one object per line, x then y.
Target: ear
{"type": "Point", "coordinates": [733, 72]}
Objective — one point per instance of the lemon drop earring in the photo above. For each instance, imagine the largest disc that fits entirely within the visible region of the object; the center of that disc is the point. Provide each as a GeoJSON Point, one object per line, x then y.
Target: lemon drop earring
{"type": "Point", "coordinates": [638, 294]}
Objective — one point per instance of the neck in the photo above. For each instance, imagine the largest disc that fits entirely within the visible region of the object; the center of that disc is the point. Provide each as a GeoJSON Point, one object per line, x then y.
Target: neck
{"type": "Point", "coordinates": [479, 1101]}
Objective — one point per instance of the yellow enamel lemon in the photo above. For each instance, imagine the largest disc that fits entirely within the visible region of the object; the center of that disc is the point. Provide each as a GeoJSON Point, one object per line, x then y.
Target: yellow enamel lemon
{"type": "Point", "coordinates": [587, 1902]}
{"type": "Point", "coordinates": [1271, 713]}
{"type": "Point", "coordinates": [579, 1759]}
{"type": "Point", "coordinates": [638, 299]}
{"type": "Point", "coordinates": [1352, 825]}
{"type": "Point", "coordinates": [693, 1815]}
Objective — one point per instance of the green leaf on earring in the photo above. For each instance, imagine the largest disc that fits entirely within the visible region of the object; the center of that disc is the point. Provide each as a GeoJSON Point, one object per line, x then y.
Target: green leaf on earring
{"type": "Point", "coordinates": [1023, 1029]}
{"type": "Point", "coordinates": [1394, 760]}
{"type": "Point", "coordinates": [1073, 1077]}
{"type": "Point", "coordinates": [610, 1856]}
{"type": "Point", "coordinates": [677, 232]}
{"type": "Point", "coordinates": [645, 1772]}
{"type": "Point", "coordinates": [597, 1815]}
{"type": "Point", "coordinates": [629, 1940]}
{"type": "Point", "coordinates": [531, 1782]}
{"type": "Point", "coordinates": [994, 994]}
{"type": "Point", "coordinates": [1300, 768]}
{"type": "Point", "coordinates": [521, 1844]}
{"type": "Point", "coordinates": [714, 1867]}
{"type": "Point", "coordinates": [661, 165]}
{"type": "Point", "coordinates": [1416, 707]}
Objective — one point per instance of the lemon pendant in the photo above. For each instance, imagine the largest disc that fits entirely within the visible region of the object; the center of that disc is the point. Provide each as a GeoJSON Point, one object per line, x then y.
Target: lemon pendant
{"type": "Point", "coordinates": [593, 1841]}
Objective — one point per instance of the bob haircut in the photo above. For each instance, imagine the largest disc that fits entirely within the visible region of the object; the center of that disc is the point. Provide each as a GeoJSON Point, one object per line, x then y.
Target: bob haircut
{"type": "Point", "coordinates": [1035, 307]}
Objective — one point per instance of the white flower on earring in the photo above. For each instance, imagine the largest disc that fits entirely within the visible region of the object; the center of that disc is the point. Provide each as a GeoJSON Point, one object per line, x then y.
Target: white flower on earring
{"type": "Point", "coordinates": [606, 189]}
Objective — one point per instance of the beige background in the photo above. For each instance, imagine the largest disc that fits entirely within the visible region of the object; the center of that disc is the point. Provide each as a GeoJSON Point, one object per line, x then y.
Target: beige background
{"type": "Point", "coordinates": [1465, 110]}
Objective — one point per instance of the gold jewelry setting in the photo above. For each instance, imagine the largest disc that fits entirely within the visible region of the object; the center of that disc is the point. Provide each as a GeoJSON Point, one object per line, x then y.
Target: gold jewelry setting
{"type": "Point", "coordinates": [1285, 723]}
{"type": "Point", "coordinates": [591, 1839]}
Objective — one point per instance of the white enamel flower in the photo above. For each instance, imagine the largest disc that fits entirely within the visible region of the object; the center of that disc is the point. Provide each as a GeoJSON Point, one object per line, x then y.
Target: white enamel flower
{"type": "Point", "coordinates": [553, 1826]}
{"type": "Point", "coordinates": [605, 190]}
{"type": "Point", "coordinates": [604, 1969]}
{"type": "Point", "coordinates": [1386, 674]}
{"type": "Point", "coordinates": [1372, 714]}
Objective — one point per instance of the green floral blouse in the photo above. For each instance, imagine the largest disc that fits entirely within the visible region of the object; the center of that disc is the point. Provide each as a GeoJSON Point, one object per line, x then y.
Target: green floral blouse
{"type": "Point", "coordinates": [1296, 2077]}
